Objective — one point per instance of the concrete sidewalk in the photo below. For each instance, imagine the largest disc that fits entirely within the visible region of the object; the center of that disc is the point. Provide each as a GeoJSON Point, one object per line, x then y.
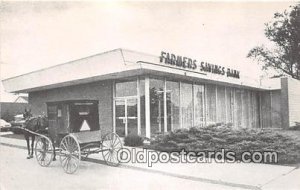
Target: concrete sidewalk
{"type": "Point", "coordinates": [241, 175]}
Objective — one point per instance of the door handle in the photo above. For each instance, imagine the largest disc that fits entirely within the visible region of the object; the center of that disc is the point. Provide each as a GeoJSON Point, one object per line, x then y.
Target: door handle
{"type": "Point", "coordinates": [131, 118]}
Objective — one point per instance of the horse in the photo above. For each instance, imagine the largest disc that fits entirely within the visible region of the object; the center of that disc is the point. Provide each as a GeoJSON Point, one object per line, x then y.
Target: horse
{"type": "Point", "coordinates": [38, 124]}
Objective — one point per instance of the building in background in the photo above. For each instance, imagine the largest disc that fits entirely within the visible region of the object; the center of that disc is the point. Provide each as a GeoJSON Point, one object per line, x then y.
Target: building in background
{"type": "Point", "coordinates": [12, 104]}
{"type": "Point", "coordinates": [136, 93]}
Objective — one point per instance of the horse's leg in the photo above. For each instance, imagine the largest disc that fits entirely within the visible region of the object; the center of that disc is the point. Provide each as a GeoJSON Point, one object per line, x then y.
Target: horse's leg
{"type": "Point", "coordinates": [32, 145]}
{"type": "Point", "coordinates": [27, 142]}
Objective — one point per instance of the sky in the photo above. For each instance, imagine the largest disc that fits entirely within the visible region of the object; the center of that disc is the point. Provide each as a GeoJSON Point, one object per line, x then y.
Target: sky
{"type": "Point", "coordinates": [35, 35]}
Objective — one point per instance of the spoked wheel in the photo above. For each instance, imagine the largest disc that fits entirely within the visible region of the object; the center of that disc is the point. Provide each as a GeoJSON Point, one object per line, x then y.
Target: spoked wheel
{"type": "Point", "coordinates": [44, 151]}
{"type": "Point", "coordinates": [69, 154]}
{"type": "Point", "coordinates": [111, 144]}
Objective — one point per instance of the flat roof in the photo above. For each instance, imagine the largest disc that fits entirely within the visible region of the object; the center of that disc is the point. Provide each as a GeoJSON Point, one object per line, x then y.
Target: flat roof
{"type": "Point", "coordinates": [115, 64]}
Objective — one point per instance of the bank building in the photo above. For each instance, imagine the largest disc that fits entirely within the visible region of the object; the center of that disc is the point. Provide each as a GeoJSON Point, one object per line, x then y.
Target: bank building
{"type": "Point", "coordinates": [135, 93]}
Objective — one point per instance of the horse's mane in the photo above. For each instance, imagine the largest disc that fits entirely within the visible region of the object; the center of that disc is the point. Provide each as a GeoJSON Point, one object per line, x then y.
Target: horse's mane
{"type": "Point", "coordinates": [36, 123]}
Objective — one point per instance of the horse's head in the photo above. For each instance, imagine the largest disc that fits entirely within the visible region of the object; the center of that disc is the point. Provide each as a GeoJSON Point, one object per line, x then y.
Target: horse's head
{"type": "Point", "coordinates": [27, 114]}
{"type": "Point", "coordinates": [37, 123]}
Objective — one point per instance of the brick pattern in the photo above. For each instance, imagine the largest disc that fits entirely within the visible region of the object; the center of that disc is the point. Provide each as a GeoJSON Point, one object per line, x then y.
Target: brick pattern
{"type": "Point", "coordinates": [101, 91]}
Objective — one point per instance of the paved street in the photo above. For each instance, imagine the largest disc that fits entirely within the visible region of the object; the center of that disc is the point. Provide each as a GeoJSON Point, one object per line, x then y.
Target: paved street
{"type": "Point", "coordinates": [19, 173]}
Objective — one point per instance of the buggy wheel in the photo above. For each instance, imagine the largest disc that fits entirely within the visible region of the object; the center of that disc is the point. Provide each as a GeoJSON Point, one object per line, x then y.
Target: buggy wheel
{"type": "Point", "coordinates": [44, 151]}
{"type": "Point", "coordinates": [111, 144]}
{"type": "Point", "coordinates": [69, 154]}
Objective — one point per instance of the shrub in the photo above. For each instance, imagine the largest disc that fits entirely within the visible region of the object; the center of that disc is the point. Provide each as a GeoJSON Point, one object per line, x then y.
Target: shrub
{"type": "Point", "coordinates": [217, 137]}
{"type": "Point", "coordinates": [133, 140]}
{"type": "Point", "coordinates": [296, 127]}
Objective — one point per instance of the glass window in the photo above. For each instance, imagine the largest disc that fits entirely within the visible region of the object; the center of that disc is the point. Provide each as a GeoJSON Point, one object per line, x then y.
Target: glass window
{"type": "Point", "coordinates": [255, 109]}
{"type": "Point", "coordinates": [199, 105]}
{"type": "Point", "coordinates": [132, 125]}
{"type": "Point", "coordinates": [173, 107]}
{"type": "Point", "coordinates": [211, 104]}
{"type": "Point", "coordinates": [229, 104]}
{"type": "Point", "coordinates": [156, 105]}
{"type": "Point", "coordinates": [127, 88]}
{"type": "Point", "coordinates": [238, 108]}
{"type": "Point", "coordinates": [245, 108]}
{"type": "Point", "coordinates": [221, 105]}
{"type": "Point", "coordinates": [187, 105]}
{"type": "Point", "coordinates": [120, 117]}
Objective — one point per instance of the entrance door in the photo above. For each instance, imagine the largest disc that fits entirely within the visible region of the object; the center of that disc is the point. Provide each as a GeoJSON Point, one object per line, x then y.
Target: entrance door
{"type": "Point", "coordinates": [126, 116]}
{"type": "Point", "coordinates": [158, 113]}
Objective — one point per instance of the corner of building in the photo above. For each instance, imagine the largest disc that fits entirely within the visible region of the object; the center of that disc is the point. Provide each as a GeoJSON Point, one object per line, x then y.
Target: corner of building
{"type": "Point", "coordinates": [293, 101]}
{"type": "Point", "coordinates": [284, 103]}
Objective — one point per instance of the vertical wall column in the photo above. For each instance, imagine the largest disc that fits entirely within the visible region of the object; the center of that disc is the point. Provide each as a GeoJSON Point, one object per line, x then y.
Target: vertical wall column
{"type": "Point", "coordinates": [138, 106]}
{"type": "Point", "coordinates": [147, 107]}
{"type": "Point", "coordinates": [284, 103]}
{"type": "Point", "coordinates": [226, 121]}
{"type": "Point", "coordinates": [205, 105]}
{"type": "Point", "coordinates": [165, 107]}
{"type": "Point", "coordinates": [216, 104]}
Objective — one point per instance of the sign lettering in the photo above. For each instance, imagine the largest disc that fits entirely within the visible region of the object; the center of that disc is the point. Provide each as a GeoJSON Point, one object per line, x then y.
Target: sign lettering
{"type": "Point", "coordinates": [193, 64]}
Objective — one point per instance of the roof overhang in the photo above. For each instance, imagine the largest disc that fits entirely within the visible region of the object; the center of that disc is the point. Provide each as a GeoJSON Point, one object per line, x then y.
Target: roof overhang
{"type": "Point", "coordinates": [114, 64]}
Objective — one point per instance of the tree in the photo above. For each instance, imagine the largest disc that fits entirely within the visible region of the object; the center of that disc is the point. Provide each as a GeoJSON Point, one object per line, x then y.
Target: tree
{"type": "Point", "coordinates": [284, 32]}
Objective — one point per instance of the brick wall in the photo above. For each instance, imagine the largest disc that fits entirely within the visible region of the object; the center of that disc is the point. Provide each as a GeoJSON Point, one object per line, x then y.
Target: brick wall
{"type": "Point", "coordinates": [101, 91]}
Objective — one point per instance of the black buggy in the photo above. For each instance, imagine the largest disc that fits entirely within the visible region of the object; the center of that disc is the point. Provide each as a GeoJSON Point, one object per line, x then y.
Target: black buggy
{"type": "Point", "coordinates": [74, 133]}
